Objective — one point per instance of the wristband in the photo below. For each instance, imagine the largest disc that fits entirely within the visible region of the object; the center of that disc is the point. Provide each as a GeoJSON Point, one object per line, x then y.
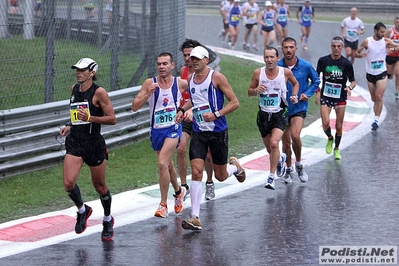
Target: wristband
{"type": "Point", "coordinates": [181, 109]}
{"type": "Point", "coordinates": [350, 87]}
{"type": "Point", "coordinates": [68, 124]}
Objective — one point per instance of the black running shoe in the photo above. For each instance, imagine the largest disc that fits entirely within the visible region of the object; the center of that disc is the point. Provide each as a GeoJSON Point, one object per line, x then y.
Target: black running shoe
{"type": "Point", "coordinates": [81, 220]}
{"type": "Point", "coordinates": [108, 230]}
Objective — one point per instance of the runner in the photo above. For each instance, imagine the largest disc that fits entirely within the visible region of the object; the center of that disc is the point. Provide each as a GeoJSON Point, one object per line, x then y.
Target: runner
{"type": "Point", "coordinates": [351, 28]}
{"type": "Point", "coordinates": [392, 59]}
{"type": "Point", "coordinates": [336, 71]}
{"type": "Point", "coordinates": [307, 16]}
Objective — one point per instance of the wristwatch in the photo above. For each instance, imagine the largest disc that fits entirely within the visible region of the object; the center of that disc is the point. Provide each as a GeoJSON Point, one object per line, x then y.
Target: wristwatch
{"type": "Point", "coordinates": [217, 114]}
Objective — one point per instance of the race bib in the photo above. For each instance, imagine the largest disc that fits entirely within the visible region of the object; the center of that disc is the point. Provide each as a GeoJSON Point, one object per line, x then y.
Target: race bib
{"type": "Point", "coordinates": [164, 117]}
{"type": "Point", "coordinates": [332, 90]}
{"type": "Point", "coordinates": [282, 18]}
{"type": "Point", "coordinates": [375, 65]}
{"type": "Point", "coordinates": [269, 22]}
{"type": "Point", "coordinates": [234, 18]}
{"type": "Point", "coordinates": [268, 100]}
{"type": "Point", "coordinates": [199, 111]}
{"type": "Point", "coordinates": [306, 18]}
{"type": "Point", "coordinates": [74, 111]}
{"type": "Point", "coordinates": [351, 33]}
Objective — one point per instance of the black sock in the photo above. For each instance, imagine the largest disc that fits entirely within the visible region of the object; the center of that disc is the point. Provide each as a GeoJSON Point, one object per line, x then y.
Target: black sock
{"type": "Point", "coordinates": [337, 140]}
{"type": "Point", "coordinates": [75, 196]}
{"type": "Point", "coordinates": [328, 132]}
{"type": "Point", "coordinates": [184, 185]}
{"type": "Point", "coordinates": [106, 202]}
{"type": "Point", "coordinates": [177, 193]}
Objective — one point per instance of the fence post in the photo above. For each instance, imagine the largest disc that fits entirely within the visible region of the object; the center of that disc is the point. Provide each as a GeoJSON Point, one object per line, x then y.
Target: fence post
{"type": "Point", "coordinates": [4, 20]}
{"type": "Point", "coordinates": [50, 50]}
{"type": "Point", "coordinates": [115, 45]}
{"type": "Point", "coordinates": [29, 20]}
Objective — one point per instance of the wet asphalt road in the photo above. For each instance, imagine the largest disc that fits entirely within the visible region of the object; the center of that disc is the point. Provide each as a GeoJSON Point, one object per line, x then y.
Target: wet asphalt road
{"type": "Point", "coordinates": [352, 202]}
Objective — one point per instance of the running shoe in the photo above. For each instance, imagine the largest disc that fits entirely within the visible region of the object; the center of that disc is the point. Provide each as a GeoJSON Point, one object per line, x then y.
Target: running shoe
{"type": "Point", "coordinates": [162, 211]}
{"type": "Point", "coordinates": [329, 145]}
{"type": "Point", "coordinates": [337, 154]}
{"type": "Point", "coordinates": [179, 199]}
{"type": "Point", "coordinates": [302, 175]}
{"type": "Point", "coordinates": [270, 183]}
{"type": "Point", "coordinates": [397, 95]}
{"type": "Point", "coordinates": [81, 220]}
{"type": "Point", "coordinates": [209, 191]}
{"type": "Point", "coordinates": [374, 126]}
{"type": "Point", "coordinates": [108, 230]}
{"type": "Point", "coordinates": [255, 48]}
{"type": "Point", "coordinates": [305, 47]}
{"type": "Point", "coordinates": [281, 165]}
{"type": "Point", "coordinates": [287, 178]}
{"type": "Point", "coordinates": [240, 174]}
{"type": "Point", "coordinates": [193, 223]}
{"type": "Point", "coordinates": [187, 191]}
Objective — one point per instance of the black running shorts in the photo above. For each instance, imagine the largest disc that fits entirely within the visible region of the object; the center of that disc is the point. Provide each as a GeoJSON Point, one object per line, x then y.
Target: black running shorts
{"type": "Point", "coordinates": [268, 121]}
{"type": "Point", "coordinates": [93, 151]}
{"type": "Point", "coordinates": [217, 142]}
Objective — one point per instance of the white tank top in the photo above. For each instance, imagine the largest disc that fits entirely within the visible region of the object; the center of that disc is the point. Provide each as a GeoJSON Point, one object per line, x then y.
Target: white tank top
{"type": "Point", "coordinates": [276, 91]}
{"type": "Point", "coordinates": [163, 106]}
{"type": "Point", "coordinates": [375, 59]}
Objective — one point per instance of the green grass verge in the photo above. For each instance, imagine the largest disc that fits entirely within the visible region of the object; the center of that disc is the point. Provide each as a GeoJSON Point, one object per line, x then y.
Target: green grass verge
{"type": "Point", "coordinates": [133, 166]}
{"type": "Point", "coordinates": [23, 83]}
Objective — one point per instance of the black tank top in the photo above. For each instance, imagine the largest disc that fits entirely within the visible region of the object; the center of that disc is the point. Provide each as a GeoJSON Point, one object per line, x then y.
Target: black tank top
{"type": "Point", "coordinates": [86, 131]}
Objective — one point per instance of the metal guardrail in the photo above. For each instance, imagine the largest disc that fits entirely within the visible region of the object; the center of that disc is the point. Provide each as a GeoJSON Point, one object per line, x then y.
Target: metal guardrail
{"type": "Point", "coordinates": [30, 139]}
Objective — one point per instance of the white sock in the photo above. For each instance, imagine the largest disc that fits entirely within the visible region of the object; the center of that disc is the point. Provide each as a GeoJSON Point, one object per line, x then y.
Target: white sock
{"type": "Point", "coordinates": [231, 169]}
{"type": "Point", "coordinates": [298, 164]}
{"type": "Point", "coordinates": [107, 218]}
{"type": "Point", "coordinates": [195, 194]}
{"type": "Point", "coordinates": [376, 119]}
{"type": "Point", "coordinates": [271, 175]}
{"type": "Point", "coordinates": [82, 210]}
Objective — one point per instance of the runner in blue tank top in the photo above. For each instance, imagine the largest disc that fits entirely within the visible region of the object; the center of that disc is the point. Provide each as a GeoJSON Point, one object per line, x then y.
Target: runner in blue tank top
{"type": "Point", "coordinates": [282, 14]}
{"type": "Point", "coordinates": [235, 14]}
{"type": "Point", "coordinates": [163, 94]}
{"type": "Point", "coordinates": [307, 16]}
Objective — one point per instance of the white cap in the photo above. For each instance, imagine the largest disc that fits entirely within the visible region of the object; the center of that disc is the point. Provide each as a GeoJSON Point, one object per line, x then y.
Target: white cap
{"type": "Point", "coordinates": [268, 3]}
{"type": "Point", "coordinates": [199, 52]}
{"type": "Point", "coordinates": [237, 0]}
{"type": "Point", "coordinates": [86, 63]}
{"type": "Point", "coordinates": [307, 0]}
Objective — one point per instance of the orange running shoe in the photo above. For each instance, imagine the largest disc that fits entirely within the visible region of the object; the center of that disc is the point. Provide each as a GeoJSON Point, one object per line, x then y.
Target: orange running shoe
{"type": "Point", "coordinates": [179, 199]}
{"type": "Point", "coordinates": [162, 211]}
{"type": "Point", "coordinates": [240, 174]}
